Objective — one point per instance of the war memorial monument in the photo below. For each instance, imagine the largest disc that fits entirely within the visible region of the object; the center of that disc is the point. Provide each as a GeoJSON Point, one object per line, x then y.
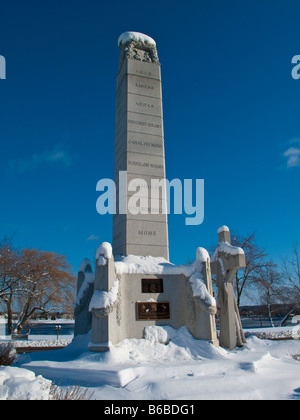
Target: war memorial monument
{"type": "Point", "coordinates": [134, 287]}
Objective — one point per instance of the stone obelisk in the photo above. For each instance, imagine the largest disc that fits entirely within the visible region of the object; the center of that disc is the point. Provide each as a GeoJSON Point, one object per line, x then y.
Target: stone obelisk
{"type": "Point", "coordinates": [139, 151]}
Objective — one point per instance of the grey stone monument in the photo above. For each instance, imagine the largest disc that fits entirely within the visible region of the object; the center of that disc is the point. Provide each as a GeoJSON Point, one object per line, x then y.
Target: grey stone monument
{"type": "Point", "coordinates": [131, 292]}
{"type": "Point", "coordinates": [225, 263]}
{"type": "Point", "coordinates": [139, 150]}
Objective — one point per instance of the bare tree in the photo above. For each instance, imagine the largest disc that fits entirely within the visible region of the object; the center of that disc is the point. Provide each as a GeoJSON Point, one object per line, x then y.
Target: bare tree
{"type": "Point", "coordinates": [291, 276]}
{"type": "Point", "coordinates": [47, 284]}
{"type": "Point", "coordinates": [10, 275]}
{"type": "Point", "coordinates": [269, 286]}
{"type": "Point", "coordinates": [256, 260]}
{"type": "Point", "coordinates": [34, 280]}
{"type": "Point", "coordinates": [291, 272]}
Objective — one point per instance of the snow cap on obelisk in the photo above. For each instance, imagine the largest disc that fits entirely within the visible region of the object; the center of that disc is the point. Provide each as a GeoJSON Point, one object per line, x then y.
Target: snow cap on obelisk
{"type": "Point", "coordinates": [139, 150]}
{"type": "Point", "coordinates": [137, 37]}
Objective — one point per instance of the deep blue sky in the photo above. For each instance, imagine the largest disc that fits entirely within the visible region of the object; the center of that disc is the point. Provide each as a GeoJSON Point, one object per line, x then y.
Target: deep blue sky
{"type": "Point", "coordinates": [231, 113]}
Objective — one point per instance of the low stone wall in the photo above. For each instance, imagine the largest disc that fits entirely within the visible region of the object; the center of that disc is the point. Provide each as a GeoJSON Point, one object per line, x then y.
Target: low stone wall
{"type": "Point", "coordinates": [271, 335]}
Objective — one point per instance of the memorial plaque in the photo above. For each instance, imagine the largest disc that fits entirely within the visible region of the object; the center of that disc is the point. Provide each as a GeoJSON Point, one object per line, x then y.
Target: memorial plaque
{"type": "Point", "coordinates": [152, 310]}
{"type": "Point", "coordinates": [152, 286]}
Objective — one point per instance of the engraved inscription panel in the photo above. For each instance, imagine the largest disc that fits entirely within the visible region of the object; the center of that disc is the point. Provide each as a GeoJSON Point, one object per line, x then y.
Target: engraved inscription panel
{"type": "Point", "coordinates": [152, 310]}
{"type": "Point", "coordinates": [143, 69]}
{"type": "Point", "coordinates": [152, 286]}
{"type": "Point", "coordinates": [143, 86]}
{"type": "Point", "coordinates": [145, 124]}
{"type": "Point", "coordinates": [140, 164]}
{"type": "Point", "coordinates": [144, 105]}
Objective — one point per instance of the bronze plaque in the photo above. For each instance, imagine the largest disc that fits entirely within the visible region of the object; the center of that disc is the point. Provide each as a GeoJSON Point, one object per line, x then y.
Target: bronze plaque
{"type": "Point", "coordinates": [152, 286]}
{"type": "Point", "coordinates": [152, 310]}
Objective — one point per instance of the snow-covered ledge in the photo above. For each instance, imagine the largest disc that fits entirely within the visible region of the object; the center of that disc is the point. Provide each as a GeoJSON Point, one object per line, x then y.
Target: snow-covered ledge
{"type": "Point", "coordinates": [102, 303]}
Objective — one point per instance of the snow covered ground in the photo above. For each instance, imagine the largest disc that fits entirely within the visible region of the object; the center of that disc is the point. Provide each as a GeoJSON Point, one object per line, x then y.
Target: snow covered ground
{"type": "Point", "coordinates": [22, 384]}
{"type": "Point", "coordinates": [185, 369]}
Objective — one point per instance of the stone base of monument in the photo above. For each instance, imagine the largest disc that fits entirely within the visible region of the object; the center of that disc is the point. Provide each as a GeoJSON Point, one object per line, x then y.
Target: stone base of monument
{"type": "Point", "coordinates": [127, 294]}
